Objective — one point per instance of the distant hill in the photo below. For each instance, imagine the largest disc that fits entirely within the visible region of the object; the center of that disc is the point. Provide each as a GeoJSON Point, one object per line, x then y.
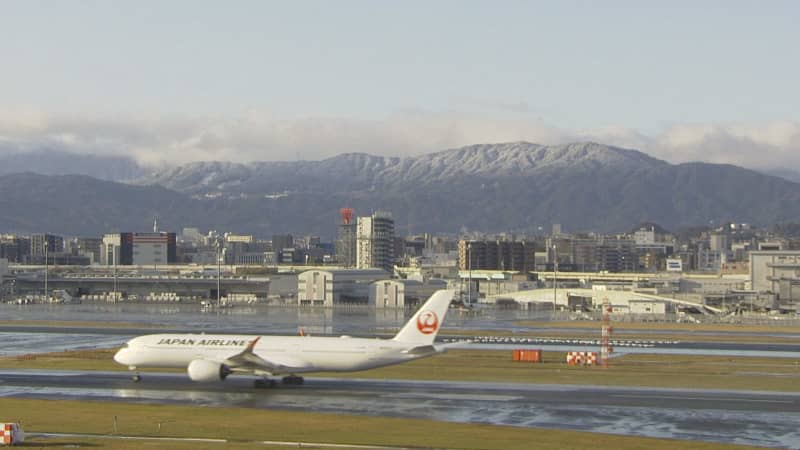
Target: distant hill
{"type": "Point", "coordinates": [55, 162]}
{"type": "Point", "coordinates": [786, 173]}
{"type": "Point", "coordinates": [499, 187]}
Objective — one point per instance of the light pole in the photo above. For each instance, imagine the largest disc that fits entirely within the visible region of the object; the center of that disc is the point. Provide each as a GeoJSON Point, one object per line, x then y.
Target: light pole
{"type": "Point", "coordinates": [46, 295]}
{"type": "Point", "coordinates": [469, 273]}
{"type": "Point", "coordinates": [219, 269]}
{"type": "Point", "coordinates": [114, 257]}
{"type": "Point", "coordinates": [555, 275]}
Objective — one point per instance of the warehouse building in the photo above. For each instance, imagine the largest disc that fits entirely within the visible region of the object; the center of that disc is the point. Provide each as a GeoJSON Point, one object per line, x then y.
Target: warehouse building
{"type": "Point", "coordinates": [334, 287]}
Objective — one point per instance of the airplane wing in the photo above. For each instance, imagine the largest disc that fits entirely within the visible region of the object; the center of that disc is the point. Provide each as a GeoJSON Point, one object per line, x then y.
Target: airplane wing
{"type": "Point", "coordinates": [248, 361]}
{"type": "Point", "coordinates": [432, 349]}
{"type": "Point", "coordinates": [421, 350]}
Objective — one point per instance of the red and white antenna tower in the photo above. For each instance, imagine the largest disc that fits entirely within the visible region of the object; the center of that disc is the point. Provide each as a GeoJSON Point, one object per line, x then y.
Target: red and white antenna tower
{"type": "Point", "coordinates": [347, 215]}
{"type": "Point", "coordinates": [605, 333]}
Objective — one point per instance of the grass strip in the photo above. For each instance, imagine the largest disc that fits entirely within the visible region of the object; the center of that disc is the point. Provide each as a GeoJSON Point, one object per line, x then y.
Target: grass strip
{"type": "Point", "coordinates": [673, 371]}
{"type": "Point", "coordinates": [241, 424]}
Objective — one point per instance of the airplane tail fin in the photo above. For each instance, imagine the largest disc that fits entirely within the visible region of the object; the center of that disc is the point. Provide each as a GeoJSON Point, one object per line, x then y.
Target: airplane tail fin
{"type": "Point", "coordinates": [425, 324]}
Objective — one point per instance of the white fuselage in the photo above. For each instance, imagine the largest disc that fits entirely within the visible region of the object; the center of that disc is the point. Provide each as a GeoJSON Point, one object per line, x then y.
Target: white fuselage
{"type": "Point", "coordinates": [318, 354]}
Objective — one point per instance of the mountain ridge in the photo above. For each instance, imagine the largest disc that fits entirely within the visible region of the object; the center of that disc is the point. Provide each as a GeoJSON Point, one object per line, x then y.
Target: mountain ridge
{"type": "Point", "coordinates": [357, 170]}
{"type": "Point", "coordinates": [46, 161]}
{"type": "Point", "coordinates": [519, 187]}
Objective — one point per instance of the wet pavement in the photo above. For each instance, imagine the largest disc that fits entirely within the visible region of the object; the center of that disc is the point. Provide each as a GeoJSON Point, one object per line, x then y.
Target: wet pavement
{"type": "Point", "coordinates": [742, 417]}
{"type": "Point", "coordinates": [766, 419]}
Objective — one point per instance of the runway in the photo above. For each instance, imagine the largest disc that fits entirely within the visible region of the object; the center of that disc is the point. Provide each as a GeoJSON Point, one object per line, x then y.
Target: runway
{"type": "Point", "coordinates": [743, 417]}
{"type": "Point", "coordinates": [20, 340]}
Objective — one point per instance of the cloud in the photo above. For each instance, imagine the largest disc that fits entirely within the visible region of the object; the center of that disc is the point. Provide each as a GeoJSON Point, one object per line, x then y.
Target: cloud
{"type": "Point", "coordinates": [262, 136]}
{"type": "Point", "coordinates": [765, 146]}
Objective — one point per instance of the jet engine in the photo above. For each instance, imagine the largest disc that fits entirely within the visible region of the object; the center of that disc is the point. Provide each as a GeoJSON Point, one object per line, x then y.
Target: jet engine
{"type": "Point", "coordinates": [205, 371]}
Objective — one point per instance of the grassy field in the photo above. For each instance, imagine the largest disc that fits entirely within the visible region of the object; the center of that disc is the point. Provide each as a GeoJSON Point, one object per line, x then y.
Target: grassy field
{"type": "Point", "coordinates": [248, 426]}
{"type": "Point", "coordinates": [775, 374]}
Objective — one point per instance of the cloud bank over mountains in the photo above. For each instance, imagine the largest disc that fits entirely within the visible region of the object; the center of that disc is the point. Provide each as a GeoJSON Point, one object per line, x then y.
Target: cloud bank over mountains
{"type": "Point", "coordinates": [258, 136]}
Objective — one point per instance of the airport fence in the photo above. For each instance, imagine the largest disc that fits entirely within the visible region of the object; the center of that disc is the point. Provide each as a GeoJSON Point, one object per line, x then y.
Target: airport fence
{"type": "Point", "coordinates": [753, 319]}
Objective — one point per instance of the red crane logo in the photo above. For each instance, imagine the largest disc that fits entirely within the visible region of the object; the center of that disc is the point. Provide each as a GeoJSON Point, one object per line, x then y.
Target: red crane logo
{"type": "Point", "coordinates": [427, 322]}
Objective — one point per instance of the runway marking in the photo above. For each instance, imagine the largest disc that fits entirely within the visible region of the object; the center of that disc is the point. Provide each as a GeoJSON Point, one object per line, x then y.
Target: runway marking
{"type": "Point", "coordinates": [298, 444]}
{"type": "Point", "coordinates": [723, 399]}
{"type": "Point", "coordinates": [109, 436]}
{"type": "Point", "coordinates": [477, 397]}
{"type": "Point", "coordinates": [317, 444]}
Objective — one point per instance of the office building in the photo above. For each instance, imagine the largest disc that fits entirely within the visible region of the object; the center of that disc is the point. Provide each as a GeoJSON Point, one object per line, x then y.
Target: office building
{"type": "Point", "coordinates": [89, 247]}
{"type": "Point", "coordinates": [776, 272]}
{"type": "Point", "coordinates": [346, 245]}
{"type": "Point", "coordinates": [139, 249]}
{"type": "Point", "coordinates": [375, 242]}
{"type": "Point", "coordinates": [496, 255]}
{"type": "Point", "coordinates": [55, 244]}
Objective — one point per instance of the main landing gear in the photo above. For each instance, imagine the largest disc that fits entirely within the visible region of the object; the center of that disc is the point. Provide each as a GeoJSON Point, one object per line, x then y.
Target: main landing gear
{"type": "Point", "coordinates": [270, 383]}
{"type": "Point", "coordinates": [262, 383]}
{"type": "Point", "coordinates": [293, 379]}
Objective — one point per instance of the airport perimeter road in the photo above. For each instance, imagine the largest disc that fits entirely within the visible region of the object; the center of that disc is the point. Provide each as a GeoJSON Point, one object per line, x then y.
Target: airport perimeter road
{"type": "Point", "coordinates": [756, 418]}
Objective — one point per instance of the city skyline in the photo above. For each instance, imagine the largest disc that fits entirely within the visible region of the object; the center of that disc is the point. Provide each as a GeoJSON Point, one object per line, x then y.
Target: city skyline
{"type": "Point", "coordinates": [709, 81]}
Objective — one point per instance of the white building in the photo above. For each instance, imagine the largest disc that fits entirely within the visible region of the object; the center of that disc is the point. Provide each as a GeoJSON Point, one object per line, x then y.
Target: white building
{"type": "Point", "coordinates": [192, 235]}
{"type": "Point", "coordinates": [150, 249]}
{"type": "Point", "coordinates": [645, 236]}
{"type": "Point", "coordinates": [776, 272]}
{"type": "Point", "coordinates": [330, 287]}
{"type": "Point", "coordinates": [674, 265]}
{"type": "Point", "coordinates": [110, 251]}
{"type": "Point", "coordinates": [402, 293]}
{"type": "Point", "coordinates": [387, 294]}
{"type": "Point", "coordinates": [645, 306]}
{"type": "Point", "coordinates": [239, 238]}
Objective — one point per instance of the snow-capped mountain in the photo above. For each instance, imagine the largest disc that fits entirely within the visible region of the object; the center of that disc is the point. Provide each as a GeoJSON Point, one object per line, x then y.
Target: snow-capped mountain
{"type": "Point", "coordinates": [494, 187]}
{"type": "Point", "coordinates": [362, 171]}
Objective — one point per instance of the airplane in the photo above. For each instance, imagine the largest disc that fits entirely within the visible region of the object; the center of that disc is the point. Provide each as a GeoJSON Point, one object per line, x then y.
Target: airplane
{"type": "Point", "coordinates": [211, 358]}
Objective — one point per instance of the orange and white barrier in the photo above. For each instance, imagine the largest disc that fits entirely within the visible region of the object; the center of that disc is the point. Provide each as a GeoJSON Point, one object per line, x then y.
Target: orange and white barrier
{"type": "Point", "coordinates": [527, 355]}
{"type": "Point", "coordinates": [12, 434]}
{"type": "Point", "coordinates": [581, 358]}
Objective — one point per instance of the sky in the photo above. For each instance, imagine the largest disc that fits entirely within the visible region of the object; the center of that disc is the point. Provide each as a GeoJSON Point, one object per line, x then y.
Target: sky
{"type": "Point", "coordinates": [174, 81]}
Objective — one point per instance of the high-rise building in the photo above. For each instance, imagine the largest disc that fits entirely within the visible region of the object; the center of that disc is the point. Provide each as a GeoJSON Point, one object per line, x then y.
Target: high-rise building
{"type": "Point", "coordinates": [15, 248]}
{"type": "Point", "coordinates": [3, 272]}
{"type": "Point", "coordinates": [55, 244]}
{"type": "Point", "coordinates": [346, 245]}
{"type": "Point", "coordinates": [346, 239]}
{"type": "Point", "coordinates": [117, 249]}
{"type": "Point", "coordinates": [496, 255]}
{"type": "Point", "coordinates": [375, 242]}
{"type": "Point", "coordinates": [283, 247]}
{"type": "Point", "coordinates": [90, 247]}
